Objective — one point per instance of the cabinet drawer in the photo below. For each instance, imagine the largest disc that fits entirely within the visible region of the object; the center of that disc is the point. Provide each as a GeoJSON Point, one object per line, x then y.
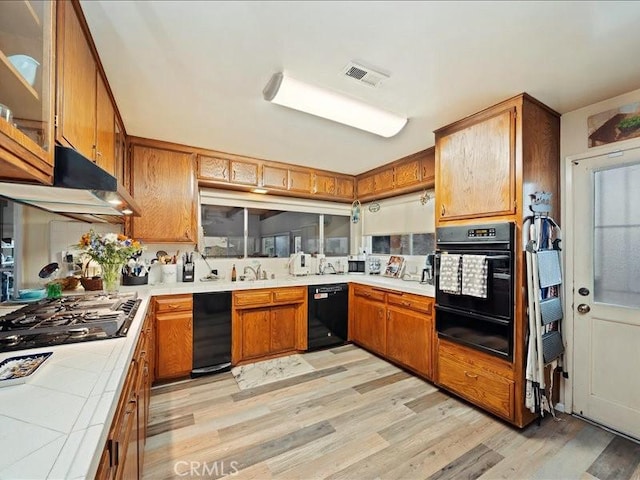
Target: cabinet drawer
{"type": "Point", "coordinates": [370, 293]}
{"type": "Point", "coordinates": [251, 297]}
{"type": "Point", "coordinates": [174, 303]}
{"type": "Point", "coordinates": [413, 302]}
{"type": "Point", "coordinates": [289, 294]}
{"type": "Point", "coordinates": [479, 386]}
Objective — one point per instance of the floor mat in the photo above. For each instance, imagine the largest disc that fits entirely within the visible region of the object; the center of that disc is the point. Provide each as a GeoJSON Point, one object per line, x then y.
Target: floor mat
{"type": "Point", "coordinates": [268, 371]}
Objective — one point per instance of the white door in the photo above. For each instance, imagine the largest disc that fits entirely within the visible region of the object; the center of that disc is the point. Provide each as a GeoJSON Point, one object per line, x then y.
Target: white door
{"type": "Point", "coordinates": [606, 296]}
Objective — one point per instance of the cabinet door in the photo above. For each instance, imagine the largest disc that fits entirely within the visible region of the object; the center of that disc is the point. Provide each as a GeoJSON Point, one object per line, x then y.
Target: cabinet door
{"type": "Point", "coordinates": [475, 175]}
{"type": "Point", "coordinates": [300, 181]}
{"type": "Point", "coordinates": [324, 184]}
{"type": "Point", "coordinates": [174, 344]}
{"type": "Point", "coordinates": [370, 324]}
{"type": "Point", "coordinates": [407, 174]}
{"type": "Point", "coordinates": [105, 129]}
{"type": "Point", "coordinates": [244, 172]}
{"type": "Point", "coordinates": [256, 332]}
{"type": "Point", "coordinates": [428, 167]}
{"type": "Point", "coordinates": [164, 185]}
{"type": "Point", "coordinates": [409, 339]}
{"type": "Point", "coordinates": [383, 181]}
{"type": "Point", "coordinates": [274, 177]}
{"type": "Point", "coordinates": [366, 186]}
{"type": "Point", "coordinates": [213, 168]}
{"type": "Point", "coordinates": [283, 328]}
{"type": "Point", "coordinates": [76, 85]}
{"type": "Point", "coordinates": [344, 187]}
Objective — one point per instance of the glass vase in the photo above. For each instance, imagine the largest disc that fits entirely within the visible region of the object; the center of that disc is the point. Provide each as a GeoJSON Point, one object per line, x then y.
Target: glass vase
{"type": "Point", "coordinates": [111, 276]}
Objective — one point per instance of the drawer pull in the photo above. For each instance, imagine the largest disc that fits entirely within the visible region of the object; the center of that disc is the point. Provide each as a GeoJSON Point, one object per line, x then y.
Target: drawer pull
{"type": "Point", "coordinates": [470, 375]}
{"type": "Point", "coordinates": [406, 304]}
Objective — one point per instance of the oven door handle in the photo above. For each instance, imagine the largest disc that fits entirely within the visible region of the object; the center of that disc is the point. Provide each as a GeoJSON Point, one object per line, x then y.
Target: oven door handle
{"type": "Point", "coordinates": [498, 257]}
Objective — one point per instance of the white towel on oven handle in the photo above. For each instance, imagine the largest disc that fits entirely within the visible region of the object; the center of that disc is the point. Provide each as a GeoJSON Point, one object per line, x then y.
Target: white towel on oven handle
{"type": "Point", "coordinates": [474, 275]}
{"type": "Point", "coordinates": [450, 273]}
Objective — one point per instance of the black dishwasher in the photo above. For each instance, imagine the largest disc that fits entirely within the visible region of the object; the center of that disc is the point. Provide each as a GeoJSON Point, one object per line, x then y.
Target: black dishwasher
{"type": "Point", "coordinates": [211, 333]}
{"type": "Point", "coordinates": [328, 315]}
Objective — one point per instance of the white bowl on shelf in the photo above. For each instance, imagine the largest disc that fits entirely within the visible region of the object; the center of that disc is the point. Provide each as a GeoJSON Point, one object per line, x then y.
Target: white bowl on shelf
{"type": "Point", "coordinates": [27, 67]}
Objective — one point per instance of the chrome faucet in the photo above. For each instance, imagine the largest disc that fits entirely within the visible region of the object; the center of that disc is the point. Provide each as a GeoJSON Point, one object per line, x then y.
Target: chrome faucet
{"type": "Point", "coordinates": [255, 271]}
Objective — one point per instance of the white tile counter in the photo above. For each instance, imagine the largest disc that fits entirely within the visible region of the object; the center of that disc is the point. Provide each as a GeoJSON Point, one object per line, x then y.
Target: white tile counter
{"type": "Point", "coordinates": [56, 424]}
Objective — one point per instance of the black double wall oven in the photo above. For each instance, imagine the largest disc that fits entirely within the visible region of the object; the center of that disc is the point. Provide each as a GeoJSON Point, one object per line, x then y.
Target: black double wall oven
{"type": "Point", "coordinates": [486, 324]}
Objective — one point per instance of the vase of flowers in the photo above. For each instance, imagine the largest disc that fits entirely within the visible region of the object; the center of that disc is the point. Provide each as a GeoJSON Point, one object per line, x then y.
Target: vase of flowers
{"type": "Point", "coordinates": [111, 251]}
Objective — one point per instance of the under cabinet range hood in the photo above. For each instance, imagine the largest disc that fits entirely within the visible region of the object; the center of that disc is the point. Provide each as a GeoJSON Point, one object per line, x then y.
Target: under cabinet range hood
{"type": "Point", "coordinates": [81, 190]}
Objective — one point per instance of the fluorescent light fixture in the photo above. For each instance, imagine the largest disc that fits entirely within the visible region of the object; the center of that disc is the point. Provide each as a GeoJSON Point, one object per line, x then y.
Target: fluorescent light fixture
{"type": "Point", "coordinates": [259, 190]}
{"type": "Point", "coordinates": [289, 92]}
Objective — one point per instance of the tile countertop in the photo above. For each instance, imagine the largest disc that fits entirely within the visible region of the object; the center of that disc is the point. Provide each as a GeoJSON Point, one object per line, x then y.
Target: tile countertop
{"type": "Point", "coordinates": [55, 425]}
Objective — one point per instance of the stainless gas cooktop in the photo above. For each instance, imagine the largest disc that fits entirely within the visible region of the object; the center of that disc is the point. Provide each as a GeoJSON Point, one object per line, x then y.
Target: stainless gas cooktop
{"type": "Point", "coordinates": [70, 319]}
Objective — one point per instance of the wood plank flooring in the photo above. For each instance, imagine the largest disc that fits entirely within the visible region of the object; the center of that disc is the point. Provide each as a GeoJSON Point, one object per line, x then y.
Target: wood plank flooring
{"type": "Point", "coordinates": [359, 417]}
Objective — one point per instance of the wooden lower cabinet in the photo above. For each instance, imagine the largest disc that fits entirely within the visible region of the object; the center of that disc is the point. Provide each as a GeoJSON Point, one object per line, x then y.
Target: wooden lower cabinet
{"type": "Point", "coordinates": [370, 324]}
{"type": "Point", "coordinates": [122, 457]}
{"type": "Point", "coordinates": [268, 322]}
{"type": "Point", "coordinates": [477, 377]}
{"type": "Point", "coordinates": [398, 326]}
{"type": "Point", "coordinates": [174, 336]}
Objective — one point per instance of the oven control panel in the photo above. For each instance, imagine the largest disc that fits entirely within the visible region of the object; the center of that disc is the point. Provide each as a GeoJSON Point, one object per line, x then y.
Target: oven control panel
{"type": "Point", "coordinates": [481, 233]}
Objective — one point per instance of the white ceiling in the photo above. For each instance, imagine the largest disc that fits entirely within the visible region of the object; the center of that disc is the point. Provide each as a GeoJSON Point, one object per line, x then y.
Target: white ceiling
{"type": "Point", "coordinates": [193, 72]}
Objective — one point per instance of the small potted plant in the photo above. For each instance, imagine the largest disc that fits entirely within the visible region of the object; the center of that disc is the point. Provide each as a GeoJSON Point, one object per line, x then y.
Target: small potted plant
{"type": "Point", "coordinates": [629, 124]}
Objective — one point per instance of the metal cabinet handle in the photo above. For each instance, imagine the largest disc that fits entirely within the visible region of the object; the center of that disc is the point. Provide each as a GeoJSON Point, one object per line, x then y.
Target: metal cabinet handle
{"type": "Point", "coordinates": [224, 172]}
{"type": "Point", "coordinates": [406, 304]}
{"type": "Point", "coordinates": [470, 375]}
{"type": "Point", "coordinates": [442, 210]}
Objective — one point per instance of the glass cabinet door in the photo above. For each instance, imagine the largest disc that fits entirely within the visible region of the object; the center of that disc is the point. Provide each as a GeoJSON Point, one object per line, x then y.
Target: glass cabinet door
{"type": "Point", "coordinates": [26, 37]}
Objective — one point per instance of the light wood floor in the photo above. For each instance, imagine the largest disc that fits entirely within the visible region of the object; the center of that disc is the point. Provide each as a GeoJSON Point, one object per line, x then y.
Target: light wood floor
{"type": "Point", "coordinates": [358, 417]}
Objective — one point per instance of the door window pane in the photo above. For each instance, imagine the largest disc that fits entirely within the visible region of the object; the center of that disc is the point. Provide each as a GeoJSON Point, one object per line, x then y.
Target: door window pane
{"type": "Point", "coordinates": [336, 235]}
{"type": "Point", "coordinates": [617, 236]}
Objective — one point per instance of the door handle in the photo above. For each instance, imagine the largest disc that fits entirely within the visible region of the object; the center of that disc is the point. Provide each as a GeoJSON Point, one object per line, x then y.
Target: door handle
{"type": "Point", "coordinates": [584, 308]}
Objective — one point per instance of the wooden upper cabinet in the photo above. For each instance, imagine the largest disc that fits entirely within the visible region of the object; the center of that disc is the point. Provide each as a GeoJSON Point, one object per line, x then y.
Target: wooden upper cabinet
{"type": "Point", "coordinates": [164, 185]}
{"type": "Point", "coordinates": [300, 180]}
{"type": "Point", "coordinates": [76, 84]}
{"type": "Point", "coordinates": [365, 186]}
{"type": "Point", "coordinates": [244, 172]}
{"type": "Point", "coordinates": [476, 169]}
{"type": "Point", "coordinates": [407, 174]}
{"type": "Point", "coordinates": [213, 168]}
{"type": "Point", "coordinates": [274, 177]}
{"type": "Point", "coordinates": [428, 167]}
{"type": "Point", "coordinates": [345, 187]}
{"type": "Point", "coordinates": [105, 150]}
{"type": "Point", "coordinates": [324, 184]}
{"type": "Point", "coordinates": [26, 143]}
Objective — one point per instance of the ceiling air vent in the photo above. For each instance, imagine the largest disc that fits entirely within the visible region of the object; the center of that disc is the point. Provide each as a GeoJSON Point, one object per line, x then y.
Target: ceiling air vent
{"type": "Point", "coordinates": [364, 74]}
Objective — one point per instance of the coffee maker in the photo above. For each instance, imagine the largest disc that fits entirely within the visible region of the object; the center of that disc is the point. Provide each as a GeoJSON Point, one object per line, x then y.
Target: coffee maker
{"type": "Point", "coordinates": [428, 270]}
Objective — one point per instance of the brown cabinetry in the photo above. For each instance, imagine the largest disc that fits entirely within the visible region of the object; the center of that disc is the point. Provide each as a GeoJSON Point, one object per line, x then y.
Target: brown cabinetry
{"type": "Point", "coordinates": [487, 167]}
{"type": "Point", "coordinates": [164, 186]}
{"type": "Point", "coordinates": [408, 174]}
{"type": "Point", "coordinates": [174, 336]}
{"type": "Point", "coordinates": [410, 331]}
{"type": "Point", "coordinates": [123, 455]}
{"type": "Point", "coordinates": [487, 164]}
{"type": "Point", "coordinates": [369, 321]}
{"type": "Point", "coordinates": [477, 164]}
{"type": "Point", "coordinates": [268, 322]}
{"type": "Point", "coordinates": [223, 170]}
{"type": "Point", "coordinates": [396, 325]}
{"type": "Point", "coordinates": [485, 381]}
{"type": "Point", "coordinates": [26, 142]}
{"type": "Point", "coordinates": [86, 114]}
